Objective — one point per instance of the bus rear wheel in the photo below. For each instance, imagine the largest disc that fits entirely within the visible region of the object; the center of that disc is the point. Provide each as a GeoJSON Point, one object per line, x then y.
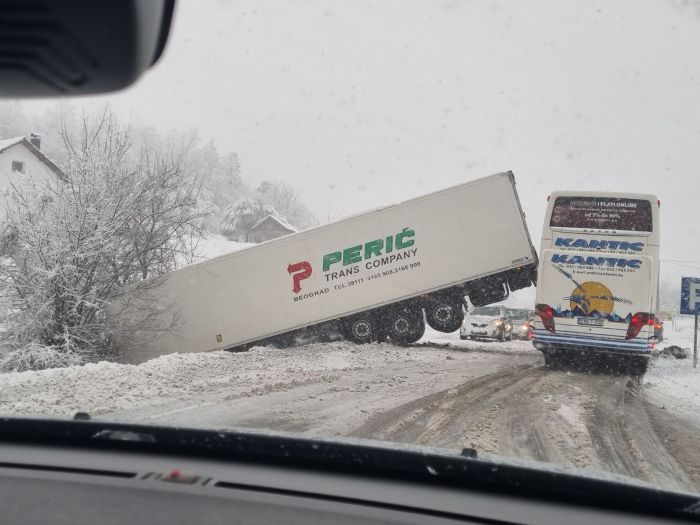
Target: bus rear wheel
{"type": "Point", "coordinates": [637, 365]}
{"type": "Point", "coordinates": [552, 360]}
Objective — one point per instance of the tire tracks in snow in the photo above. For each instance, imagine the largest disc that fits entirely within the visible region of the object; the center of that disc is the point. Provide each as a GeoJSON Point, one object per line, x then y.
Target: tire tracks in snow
{"type": "Point", "coordinates": [627, 440]}
{"type": "Point", "coordinates": [680, 437]}
{"type": "Point", "coordinates": [441, 418]}
{"type": "Point", "coordinates": [586, 420]}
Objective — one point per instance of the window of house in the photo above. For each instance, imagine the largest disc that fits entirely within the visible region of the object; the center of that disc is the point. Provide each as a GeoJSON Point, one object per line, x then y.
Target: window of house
{"type": "Point", "coordinates": [18, 166]}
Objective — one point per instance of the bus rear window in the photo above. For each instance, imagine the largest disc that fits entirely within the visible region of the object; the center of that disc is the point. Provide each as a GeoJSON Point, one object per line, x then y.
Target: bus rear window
{"type": "Point", "coordinates": [603, 213]}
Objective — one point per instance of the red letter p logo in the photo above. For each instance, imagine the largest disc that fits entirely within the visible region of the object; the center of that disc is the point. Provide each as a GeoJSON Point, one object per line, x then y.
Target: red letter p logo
{"type": "Point", "coordinates": [299, 271]}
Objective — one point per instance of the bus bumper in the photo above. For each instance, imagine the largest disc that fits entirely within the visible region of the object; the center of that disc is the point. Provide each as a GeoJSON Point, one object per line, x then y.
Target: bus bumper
{"type": "Point", "coordinates": [545, 341]}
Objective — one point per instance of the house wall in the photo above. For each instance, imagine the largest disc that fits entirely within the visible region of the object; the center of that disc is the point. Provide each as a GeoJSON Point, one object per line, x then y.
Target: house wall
{"type": "Point", "coordinates": [266, 232]}
{"type": "Point", "coordinates": [35, 173]}
{"type": "Point", "coordinates": [34, 169]}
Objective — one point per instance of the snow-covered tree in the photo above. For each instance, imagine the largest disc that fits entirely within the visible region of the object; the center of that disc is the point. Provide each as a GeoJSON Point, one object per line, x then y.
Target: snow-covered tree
{"type": "Point", "coordinates": [285, 199]}
{"type": "Point", "coordinates": [221, 179]}
{"type": "Point", "coordinates": [70, 246]}
{"type": "Point", "coordinates": [243, 215]}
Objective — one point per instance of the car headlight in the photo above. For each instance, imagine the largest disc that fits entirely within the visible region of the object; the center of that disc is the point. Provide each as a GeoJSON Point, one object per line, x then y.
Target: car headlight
{"type": "Point", "coordinates": [498, 323]}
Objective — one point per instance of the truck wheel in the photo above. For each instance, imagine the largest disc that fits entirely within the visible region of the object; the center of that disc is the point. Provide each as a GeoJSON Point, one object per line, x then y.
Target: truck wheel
{"type": "Point", "coordinates": [405, 326]}
{"type": "Point", "coordinates": [360, 329]}
{"type": "Point", "coordinates": [444, 316]}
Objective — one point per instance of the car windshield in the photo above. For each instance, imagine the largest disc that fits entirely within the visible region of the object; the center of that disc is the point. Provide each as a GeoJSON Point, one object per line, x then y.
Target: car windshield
{"type": "Point", "coordinates": [519, 314]}
{"type": "Point", "coordinates": [486, 310]}
{"type": "Point", "coordinates": [285, 223]}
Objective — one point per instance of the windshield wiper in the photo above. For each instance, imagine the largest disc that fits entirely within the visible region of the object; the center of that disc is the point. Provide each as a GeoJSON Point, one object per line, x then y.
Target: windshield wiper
{"type": "Point", "coordinates": [355, 457]}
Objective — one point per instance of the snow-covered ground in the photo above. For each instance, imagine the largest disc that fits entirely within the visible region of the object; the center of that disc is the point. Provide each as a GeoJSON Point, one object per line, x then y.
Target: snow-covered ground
{"type": "Point", "coordinates": [110, 388]}
{"type": "Point", "coordinates": [443, 392]}
{"type": "Point", "coordinates": [391, 373]}
{"type": "Point", "coordinates": [674, 383]}
{"type": "Point", "coordinates": [435, 339]}
{"type": "Point", "coordinates": [215, 245]}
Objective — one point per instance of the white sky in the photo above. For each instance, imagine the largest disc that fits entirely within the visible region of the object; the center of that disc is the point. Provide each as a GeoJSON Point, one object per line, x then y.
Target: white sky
{"type": "Point", "coordinates": [360, 104]}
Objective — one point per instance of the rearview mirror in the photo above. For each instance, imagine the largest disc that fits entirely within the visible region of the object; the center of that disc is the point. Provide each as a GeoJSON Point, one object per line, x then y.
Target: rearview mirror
{"type": "Point", "coordinates": [75, 47]}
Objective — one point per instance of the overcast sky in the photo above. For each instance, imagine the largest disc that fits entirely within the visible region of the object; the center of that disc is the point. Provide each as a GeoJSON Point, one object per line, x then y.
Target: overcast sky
{"type": "Point", "coordinates": [360, 104]}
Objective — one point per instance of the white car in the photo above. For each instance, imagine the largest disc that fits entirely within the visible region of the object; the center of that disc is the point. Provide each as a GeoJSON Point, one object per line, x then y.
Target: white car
{"type": "Point", "coordinates": [522, 321]}
{"type": "Point", "coordinates": [487, 322]}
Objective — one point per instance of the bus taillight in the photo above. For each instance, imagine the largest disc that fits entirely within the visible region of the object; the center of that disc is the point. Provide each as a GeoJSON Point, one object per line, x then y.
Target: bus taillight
{"type": "Point", "coordinates": [546, 313]}
{"type": "Point", "coordinates": [637, 322]}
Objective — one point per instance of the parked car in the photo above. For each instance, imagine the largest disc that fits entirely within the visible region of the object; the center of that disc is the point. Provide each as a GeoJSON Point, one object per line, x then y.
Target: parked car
{"type": "Point", "coordinates": [487, 322]}
{"type": "Point", "coordinates": [521, 320]}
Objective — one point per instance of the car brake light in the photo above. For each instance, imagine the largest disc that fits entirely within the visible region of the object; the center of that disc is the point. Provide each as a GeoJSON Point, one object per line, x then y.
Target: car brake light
{"type": "Point", "coordinates": [546, 313]}
{"type": "Point", "coordinates": [637, 322]}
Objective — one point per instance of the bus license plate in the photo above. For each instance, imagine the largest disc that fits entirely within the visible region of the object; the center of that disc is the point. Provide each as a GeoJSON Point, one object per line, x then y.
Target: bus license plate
{"type": "Point", "coordinates": [589, 322]}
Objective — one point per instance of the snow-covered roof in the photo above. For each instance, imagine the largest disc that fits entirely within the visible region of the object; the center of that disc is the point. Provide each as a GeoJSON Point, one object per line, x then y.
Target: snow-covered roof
{"type": "Point", "coordinates": [277, 220]}
{"type": "Point", "coordinates": [8, 143]}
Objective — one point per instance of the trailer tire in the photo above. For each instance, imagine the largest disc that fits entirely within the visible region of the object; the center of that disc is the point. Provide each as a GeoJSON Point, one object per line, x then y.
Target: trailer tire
{"type": "Point", "coordinates": [444, 316]}
{"type": "Point", "coordinates": [405, 326]}
{"type": "Point", "coordinates": [360, 329]}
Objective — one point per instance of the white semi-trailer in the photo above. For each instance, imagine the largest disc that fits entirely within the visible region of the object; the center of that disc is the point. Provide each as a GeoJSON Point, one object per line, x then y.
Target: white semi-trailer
{"type": "Point", "coordinates": [376, 275]}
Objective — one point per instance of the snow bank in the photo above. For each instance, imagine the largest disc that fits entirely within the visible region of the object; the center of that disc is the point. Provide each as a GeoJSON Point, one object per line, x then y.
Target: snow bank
{"type": "Point", "coordinates": [105, 387]}
{"type": "Point", "coordinates": [452, 340]}
{"type": "Point", "coordinates": [215, 245]}
{"type": "Point", "coordinates": [674, 383]}
{"type": "Point", "coordinates": [681, 336]}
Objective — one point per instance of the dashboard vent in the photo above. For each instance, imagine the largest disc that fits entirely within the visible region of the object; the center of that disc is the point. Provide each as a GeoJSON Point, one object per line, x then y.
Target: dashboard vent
{"type": "Point", "coordinates": [69, 470]}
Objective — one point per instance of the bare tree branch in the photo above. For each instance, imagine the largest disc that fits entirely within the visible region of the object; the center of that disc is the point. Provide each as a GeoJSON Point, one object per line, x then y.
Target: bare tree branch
{"type": "Point", "coordinates": [70, 247]}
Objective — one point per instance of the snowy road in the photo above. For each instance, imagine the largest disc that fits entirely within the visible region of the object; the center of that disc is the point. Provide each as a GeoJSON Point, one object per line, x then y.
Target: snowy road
{"type": "Point", "coordinates": [495, 397]}
{"type": "Point", "coordinates": [590, 421]}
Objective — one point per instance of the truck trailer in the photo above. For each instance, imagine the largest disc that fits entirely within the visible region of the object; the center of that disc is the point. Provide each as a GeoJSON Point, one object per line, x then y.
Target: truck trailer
{"type": "Point", "coordinates": [376, 275]}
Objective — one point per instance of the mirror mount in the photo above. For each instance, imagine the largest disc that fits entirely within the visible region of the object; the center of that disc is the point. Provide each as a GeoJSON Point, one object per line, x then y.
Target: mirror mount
{"type": "Point", "coordinates": [73, 47]}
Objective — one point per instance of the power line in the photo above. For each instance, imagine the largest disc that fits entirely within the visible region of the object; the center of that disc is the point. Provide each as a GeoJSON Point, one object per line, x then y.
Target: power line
{"type": "Point", "coordinates": [689, 267]}
{"type": "Point", "coordinates": [679, 261]}
{"type": "Point", "coordinates": [680, 264]}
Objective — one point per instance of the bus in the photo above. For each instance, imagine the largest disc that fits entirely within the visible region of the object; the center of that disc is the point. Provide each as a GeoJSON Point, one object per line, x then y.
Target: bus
{"type": "Point", "coordinates": [598, 277]}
